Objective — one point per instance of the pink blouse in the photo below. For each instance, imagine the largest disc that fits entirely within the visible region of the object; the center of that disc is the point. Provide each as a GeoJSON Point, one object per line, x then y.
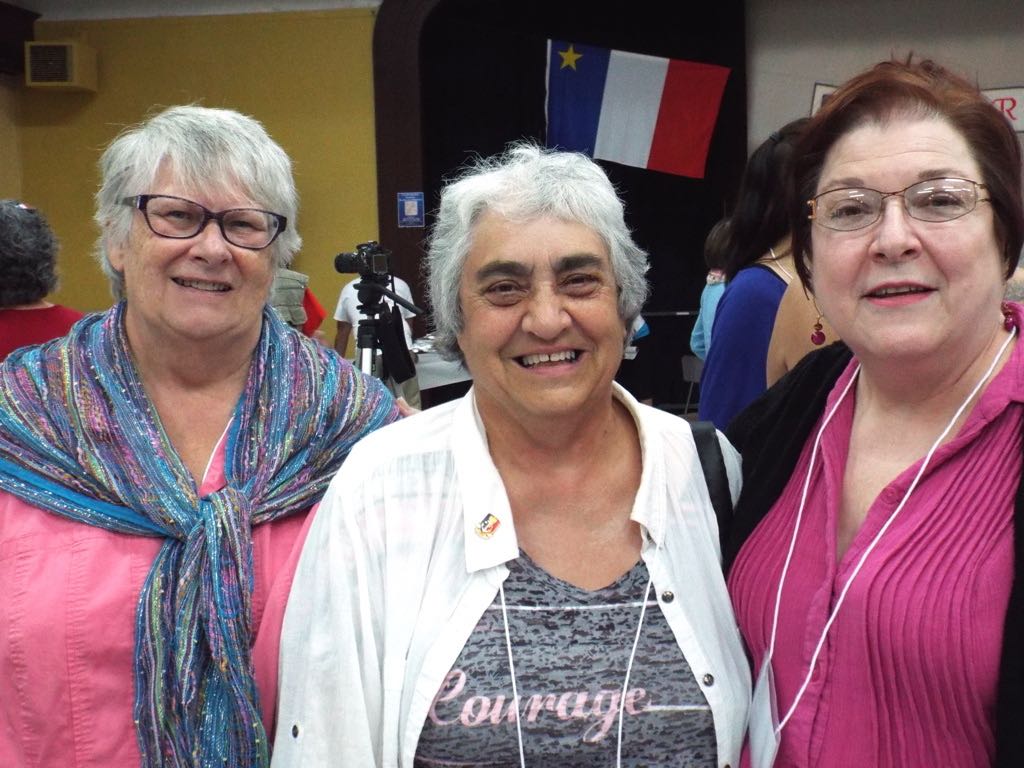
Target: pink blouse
{"type": "Point", "coordinates": [907, 676]}
{"type": "Point", "coordinates": [68, 596]}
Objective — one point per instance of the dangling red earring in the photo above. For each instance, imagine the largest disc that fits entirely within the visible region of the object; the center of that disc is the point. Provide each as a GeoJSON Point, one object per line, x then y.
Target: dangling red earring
{"type": "Point", "coordinates": [818, 334]}
{"type": "Point", "coordinates": [1009, 323]}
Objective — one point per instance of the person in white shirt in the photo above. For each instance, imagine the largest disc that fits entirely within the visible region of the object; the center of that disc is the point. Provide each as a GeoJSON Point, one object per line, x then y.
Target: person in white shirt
{"type": "Point", "coordinates": [347, 314]}
{"type": "Point", "coordinates": [347, 317]}
{"type": "Point", "coordinates": [529, 575]}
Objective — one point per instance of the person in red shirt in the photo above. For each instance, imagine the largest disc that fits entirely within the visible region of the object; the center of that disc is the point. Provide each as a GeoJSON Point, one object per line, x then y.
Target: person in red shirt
{"type": "Point", "coordinates": [28, 261]}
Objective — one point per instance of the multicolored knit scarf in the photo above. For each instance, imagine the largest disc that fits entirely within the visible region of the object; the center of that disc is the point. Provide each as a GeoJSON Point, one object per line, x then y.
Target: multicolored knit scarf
{"type": "Point", "coordinates": [79, 437]}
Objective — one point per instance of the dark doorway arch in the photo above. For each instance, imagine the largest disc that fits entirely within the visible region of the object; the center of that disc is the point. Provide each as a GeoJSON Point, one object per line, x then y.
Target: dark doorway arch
{"type": "Point", "coordinates": [455, 78]}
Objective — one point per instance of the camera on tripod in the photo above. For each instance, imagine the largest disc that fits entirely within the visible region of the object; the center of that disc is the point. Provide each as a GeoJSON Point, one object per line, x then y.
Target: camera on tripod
{"type": "Point", "coordinates": [369, 259]}
{"type": "Point", "coordinates": [380, 339]}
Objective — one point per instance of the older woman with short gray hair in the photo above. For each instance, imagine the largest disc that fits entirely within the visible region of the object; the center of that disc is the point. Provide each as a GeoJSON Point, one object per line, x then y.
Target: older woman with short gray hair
{"type": "Point", "coordinates": [525, 184]}
{"type": "Point", "coordinates": [530, 575]}
{"type": "Point", "coordinates": [156, 465]}
{"type": "Point", "coordinates": [244, 156]}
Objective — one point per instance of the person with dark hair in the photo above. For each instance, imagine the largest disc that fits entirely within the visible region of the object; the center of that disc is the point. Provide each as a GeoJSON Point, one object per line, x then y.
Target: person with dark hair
{"type": "Point", "coordinates": [519, 578]}
{"type": "Point", "coordinates": [28, 272]}
{"type": "Point", "coordinates": [758, 266]}
{"type": "Point", "coordinates": [714, 258]}
{"type": "Point", "coordinates": [875, 559]}
{"type": "Point", "coordinates": [157, 465]}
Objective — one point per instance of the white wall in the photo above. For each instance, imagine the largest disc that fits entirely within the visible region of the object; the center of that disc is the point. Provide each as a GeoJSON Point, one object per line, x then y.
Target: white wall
{"type": "Point", "coordinates": [791, 44]}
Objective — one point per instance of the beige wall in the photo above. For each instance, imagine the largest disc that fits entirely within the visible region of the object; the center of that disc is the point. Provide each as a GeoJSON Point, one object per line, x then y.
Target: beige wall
{"type": "Point", "coordinates": [306, 76]}
{"type": "Point", "coordinates": [792, 44]}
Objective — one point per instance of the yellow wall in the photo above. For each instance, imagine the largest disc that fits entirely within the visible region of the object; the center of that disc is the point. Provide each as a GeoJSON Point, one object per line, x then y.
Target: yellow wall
{"type": "Point", "coordinates": [10, 150]}
{"type": "Point", "coordinates": [307, 76]}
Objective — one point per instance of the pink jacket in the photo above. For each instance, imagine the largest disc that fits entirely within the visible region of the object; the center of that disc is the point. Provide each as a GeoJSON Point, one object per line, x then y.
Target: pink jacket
{"type": "Point", "coordinates": [68, 596]}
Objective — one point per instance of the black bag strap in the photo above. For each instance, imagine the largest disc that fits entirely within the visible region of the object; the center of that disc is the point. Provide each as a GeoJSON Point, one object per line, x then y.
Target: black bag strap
{"type": "Point", "coordinates": [712, 463]}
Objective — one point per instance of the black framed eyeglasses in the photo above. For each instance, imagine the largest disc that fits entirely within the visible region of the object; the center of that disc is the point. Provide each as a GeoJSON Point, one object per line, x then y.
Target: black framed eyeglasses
{"type": "Point", "coordinates": [178, 218]}
{"type": "Point", "coordinates": [851, 208]}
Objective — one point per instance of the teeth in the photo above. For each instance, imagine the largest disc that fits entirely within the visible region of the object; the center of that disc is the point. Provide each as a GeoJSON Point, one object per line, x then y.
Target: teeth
{"type": "Point", "coordinates": [202, 285]}
{"type": "Point", "coordinates": [554, 357]}
{"type": "Point", "coordinates": [898, 291]}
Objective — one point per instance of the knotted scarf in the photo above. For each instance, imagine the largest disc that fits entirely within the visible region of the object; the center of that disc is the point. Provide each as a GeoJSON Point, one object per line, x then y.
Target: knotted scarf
{"type": "Point", "coordinates": [80, 438]}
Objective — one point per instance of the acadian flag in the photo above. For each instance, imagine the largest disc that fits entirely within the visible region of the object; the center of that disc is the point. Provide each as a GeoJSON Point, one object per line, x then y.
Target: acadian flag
{"type": "Point", "coordinates": [633, 109]}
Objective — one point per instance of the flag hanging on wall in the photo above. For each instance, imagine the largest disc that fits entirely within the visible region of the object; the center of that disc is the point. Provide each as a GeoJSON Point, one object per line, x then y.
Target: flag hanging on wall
{"type": "Point", "coordinates": [633, 109]}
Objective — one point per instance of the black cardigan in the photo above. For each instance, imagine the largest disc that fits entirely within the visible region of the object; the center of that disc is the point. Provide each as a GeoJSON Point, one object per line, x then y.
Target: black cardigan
{"type": "Point", "coordinates": [770, 434]}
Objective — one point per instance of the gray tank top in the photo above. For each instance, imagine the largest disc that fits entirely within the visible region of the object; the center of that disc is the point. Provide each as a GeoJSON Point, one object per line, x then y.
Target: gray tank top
{"type": "Point", "coordinates": [571, 648]}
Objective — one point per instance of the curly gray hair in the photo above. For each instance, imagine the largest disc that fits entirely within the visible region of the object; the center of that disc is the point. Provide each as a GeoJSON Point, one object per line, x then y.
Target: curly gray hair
{"type": "Point", "coordinates": [204, 148]}
{"type": "Point", "coordinates": [523, 183]}
{"type": "Point", "coordinates": [28, 255]}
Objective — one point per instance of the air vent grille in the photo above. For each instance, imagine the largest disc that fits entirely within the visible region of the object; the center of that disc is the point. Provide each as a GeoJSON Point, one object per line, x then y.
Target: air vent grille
{"type": "Point", "coordinates": [68, 66]}
{"type": "Point", "coordinates": [50, 63]}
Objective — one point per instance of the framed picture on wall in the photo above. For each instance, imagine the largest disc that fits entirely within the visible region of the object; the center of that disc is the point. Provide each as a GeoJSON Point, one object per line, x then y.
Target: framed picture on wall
{"type": "Point", "coordinates": [821, 93]}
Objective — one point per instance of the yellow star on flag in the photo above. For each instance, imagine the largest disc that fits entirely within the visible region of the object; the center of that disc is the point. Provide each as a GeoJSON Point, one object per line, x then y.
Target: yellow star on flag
{"type": "Point", "coordinates": [569, 58]}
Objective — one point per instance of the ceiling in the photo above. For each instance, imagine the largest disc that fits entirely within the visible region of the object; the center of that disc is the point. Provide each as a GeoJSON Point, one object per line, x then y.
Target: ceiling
{"type": "Point", "coordinates": [59, 10]}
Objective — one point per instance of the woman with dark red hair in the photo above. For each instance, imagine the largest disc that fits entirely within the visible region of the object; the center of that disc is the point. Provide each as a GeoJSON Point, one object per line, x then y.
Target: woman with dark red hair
{"type": "Point", "coordinates": [873, 564]}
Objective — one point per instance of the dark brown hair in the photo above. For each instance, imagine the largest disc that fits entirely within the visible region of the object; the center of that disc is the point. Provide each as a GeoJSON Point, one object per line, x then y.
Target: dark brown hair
{"type": "Point", "coordinates": [923, 89]}
{"type": "Point", "coordinates": [760, 217]}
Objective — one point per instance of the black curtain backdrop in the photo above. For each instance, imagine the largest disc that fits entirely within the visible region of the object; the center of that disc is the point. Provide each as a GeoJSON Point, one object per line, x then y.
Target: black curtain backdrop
{"type": "Point", "coordinates": [477, 75]}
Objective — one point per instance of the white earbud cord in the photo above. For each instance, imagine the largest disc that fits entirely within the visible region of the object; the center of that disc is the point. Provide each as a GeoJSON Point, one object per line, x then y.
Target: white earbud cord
{"type": "Point", "coordinates": [625, 683]}
{"type": "Point", "coordinates": [512, 672]}
{"type": "Point", "coordinates": [874, 542]}
{"type": "Point", "coordinates": [800, 512]}
{"type": "Point", "coordinates": [629, 671]}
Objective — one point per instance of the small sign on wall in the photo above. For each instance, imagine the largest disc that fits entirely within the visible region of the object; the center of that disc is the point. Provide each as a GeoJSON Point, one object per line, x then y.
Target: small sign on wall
{"type": "Point", "coordinates": [410, 210]}
{"type": "Point", "coordinates": [1009, 101]}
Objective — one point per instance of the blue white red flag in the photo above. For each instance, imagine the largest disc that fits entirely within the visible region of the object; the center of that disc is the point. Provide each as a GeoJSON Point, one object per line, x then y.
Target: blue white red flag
{"type": "Point", "coordinates": [629, 108]}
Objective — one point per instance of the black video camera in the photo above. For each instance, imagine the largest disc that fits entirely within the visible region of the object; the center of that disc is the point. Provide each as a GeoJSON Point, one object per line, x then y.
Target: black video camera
{"type": "Point", "coordinates": [369, 260]}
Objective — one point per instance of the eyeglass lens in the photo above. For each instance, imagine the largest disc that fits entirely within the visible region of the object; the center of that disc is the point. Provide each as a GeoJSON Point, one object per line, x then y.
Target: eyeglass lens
{"type": "Point", "coordinates": [931, 200]}
{"type": "Point", "coordinates": [245, 227]}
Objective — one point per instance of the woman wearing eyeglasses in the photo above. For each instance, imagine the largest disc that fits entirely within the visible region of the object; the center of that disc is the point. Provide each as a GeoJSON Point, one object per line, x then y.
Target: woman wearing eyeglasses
{"type": "Point", "coordinates": [873, 569]}
{"type": "Point", "coordinates": [157, 465]}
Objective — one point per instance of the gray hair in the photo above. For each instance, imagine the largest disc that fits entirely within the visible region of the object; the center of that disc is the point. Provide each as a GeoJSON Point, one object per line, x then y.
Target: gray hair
{"type": "Point", "coordinates": [524, 183]}
{"type": "Point", "coordinates": [28, 255]}
{"type": "Point", "coordinates": [204, 148]}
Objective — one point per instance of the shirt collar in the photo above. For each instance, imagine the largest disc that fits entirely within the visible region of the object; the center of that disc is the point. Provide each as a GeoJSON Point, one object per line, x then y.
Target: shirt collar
{"type": "Point", "coordinates": [488, 529]}
{"type": "Point", "coordinates": [490, 536]}
{"type": "Point", "coordinates": [650, 505]}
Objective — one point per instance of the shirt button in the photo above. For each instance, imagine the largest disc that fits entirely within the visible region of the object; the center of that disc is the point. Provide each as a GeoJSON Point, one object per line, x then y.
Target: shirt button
{"type": "Point", "coordinates": [709, 679]}
{"type": "Point", "coordinates": [295, 731]}
{"type": "Point", "coordinates": [668, 596]}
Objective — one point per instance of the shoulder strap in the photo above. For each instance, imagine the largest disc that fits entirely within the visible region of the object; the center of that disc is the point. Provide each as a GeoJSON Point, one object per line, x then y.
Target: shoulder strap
{"type": "Point", "coordinates": [712, 464]}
